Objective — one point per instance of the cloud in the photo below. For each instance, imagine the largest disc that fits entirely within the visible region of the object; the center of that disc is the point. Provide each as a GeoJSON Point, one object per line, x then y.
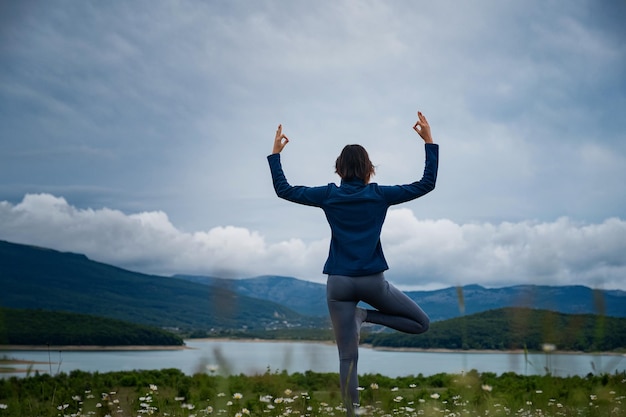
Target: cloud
{"type": "Point", "coordinates": [148, 241]}
{"type": "Point", "coordinates": [562, 252]}
{"type": "Point", "coordinates": [421, 253]}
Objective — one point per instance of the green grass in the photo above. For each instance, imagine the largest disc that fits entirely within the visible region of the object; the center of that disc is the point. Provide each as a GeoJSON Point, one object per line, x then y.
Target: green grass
{"type": "Point", "coordinates": [171, 393]}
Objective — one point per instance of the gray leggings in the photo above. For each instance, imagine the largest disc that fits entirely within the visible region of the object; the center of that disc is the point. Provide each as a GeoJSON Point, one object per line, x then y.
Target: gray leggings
{"type": "Point", "coordinates": [394, 309]}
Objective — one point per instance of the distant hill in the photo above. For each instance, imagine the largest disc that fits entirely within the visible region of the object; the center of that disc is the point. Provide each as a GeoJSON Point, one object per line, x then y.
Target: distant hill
{"type": "Point", "coordinates": [39, 278]}
{"type": "Point", "coordinates": [305, 297]}
{"type": "Point", "coordinates": [569, 299]}
{"type": "Point", "coordinates": [39, 327]}
{"type": "Point", "coordinates": [514, 328]}
{"type": "Point", "coordinates": [310, 298]}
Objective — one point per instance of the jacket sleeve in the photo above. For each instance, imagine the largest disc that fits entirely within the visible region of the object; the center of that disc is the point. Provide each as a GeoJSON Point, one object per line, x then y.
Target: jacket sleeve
{"type": "Point", "coordinates": [310, 196]}
{"type": "Point", "coordinates": [397, 194]}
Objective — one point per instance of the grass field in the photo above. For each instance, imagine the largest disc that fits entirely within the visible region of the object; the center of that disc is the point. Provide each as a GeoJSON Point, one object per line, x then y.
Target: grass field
{"type": "Point", "coordinates": [169, 392]}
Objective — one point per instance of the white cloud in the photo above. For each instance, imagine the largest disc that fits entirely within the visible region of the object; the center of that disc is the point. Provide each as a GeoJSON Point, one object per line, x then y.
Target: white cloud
{"type": "Point", "coordinates": [421, 253]}
{"type": "Point", "coordinates": [562, 252]}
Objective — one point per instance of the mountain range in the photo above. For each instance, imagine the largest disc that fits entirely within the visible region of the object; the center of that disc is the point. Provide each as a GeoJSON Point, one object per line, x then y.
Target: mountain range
{"type": "Point", "coordinates": [40, 278]}
{"type": "Point", "coordinates": [309, 298]}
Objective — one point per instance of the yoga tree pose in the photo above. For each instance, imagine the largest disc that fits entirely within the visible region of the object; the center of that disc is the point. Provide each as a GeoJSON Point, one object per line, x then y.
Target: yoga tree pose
{"type": "Point", "coordinates": [355, 211]}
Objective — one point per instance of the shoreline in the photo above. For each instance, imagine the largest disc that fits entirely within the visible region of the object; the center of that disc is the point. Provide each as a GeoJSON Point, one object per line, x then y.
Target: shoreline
{"type": "Point", "coordinates": [496, 351]}
{"type": "Point", "coordinates": [408, 349]}
{"type": "Point", "coordinates": [95, 348]}
{"type": "Point", "coordinates": [87, 348]}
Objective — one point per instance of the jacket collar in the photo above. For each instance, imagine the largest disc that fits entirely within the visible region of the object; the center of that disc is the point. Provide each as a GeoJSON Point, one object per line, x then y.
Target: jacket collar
{"type": "Point", "coordinates": [353, 182]}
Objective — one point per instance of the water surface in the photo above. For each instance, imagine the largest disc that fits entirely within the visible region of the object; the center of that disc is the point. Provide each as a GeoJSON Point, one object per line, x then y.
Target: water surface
{"type": "Point", "coordinates": [252, 357]}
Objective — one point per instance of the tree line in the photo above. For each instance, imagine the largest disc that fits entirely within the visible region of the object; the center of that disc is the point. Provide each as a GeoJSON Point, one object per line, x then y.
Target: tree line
{"type": "Point", "coordinates": [40, 327]}
{"type": "Point", "coordinates": [514, 328]}
{"type": "Point", "coordinates": [501, 329]}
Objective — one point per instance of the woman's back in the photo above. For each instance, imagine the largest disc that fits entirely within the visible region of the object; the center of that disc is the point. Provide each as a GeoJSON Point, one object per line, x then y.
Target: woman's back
{"type": "Point", "coordinates": [355, 211]}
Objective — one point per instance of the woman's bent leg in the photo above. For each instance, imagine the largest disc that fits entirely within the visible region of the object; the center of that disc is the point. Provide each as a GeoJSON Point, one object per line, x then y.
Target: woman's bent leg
{"type": "Point", "coordinates": [342, 309]}
{"type": "Point", "coordinates": [394, 308]}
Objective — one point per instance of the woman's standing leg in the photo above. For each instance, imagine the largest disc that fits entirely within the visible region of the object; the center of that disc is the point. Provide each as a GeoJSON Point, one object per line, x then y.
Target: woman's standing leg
{"type": "Point", "coordinates": [342, 309]}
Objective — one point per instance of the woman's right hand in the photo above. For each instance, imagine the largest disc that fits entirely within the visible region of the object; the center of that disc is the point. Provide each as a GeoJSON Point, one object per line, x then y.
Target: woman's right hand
{"type": "Point", "coordinates": [423, 128]}
{"type": "Point", "coordinates": [280, 140]}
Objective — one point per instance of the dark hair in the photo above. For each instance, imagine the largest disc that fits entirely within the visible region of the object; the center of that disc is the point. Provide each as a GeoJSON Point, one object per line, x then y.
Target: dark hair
{"type": "Point", "coordinates": [354, 163]}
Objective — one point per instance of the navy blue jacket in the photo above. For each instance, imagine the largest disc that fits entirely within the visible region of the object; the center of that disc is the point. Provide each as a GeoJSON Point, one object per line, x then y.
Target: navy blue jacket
{"type": "Point", "coordinates": [355, 212]}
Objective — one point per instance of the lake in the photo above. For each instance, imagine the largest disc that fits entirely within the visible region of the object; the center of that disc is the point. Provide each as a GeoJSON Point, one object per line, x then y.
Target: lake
{"type": "Point", "coordinates": [251, 357]}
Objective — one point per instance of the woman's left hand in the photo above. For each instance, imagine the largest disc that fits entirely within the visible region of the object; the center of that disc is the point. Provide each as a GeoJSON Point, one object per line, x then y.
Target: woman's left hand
{"type": "Point", "coordinates": [280, 140]}
{"type": "Point", "coordinates": [423, 128]}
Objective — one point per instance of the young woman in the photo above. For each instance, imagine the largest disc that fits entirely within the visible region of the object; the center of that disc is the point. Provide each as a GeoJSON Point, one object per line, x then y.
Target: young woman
{"type": "Point", "coordinates": [355, 211]}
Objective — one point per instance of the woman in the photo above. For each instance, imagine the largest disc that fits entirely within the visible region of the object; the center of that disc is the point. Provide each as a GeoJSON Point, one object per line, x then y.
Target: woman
{"type": "Point", "coordinates": [355, 212]}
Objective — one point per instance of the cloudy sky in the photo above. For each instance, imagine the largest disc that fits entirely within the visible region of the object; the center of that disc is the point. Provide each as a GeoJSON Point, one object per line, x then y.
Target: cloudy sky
{"type": "Point", "coordinates": [137, 133]}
